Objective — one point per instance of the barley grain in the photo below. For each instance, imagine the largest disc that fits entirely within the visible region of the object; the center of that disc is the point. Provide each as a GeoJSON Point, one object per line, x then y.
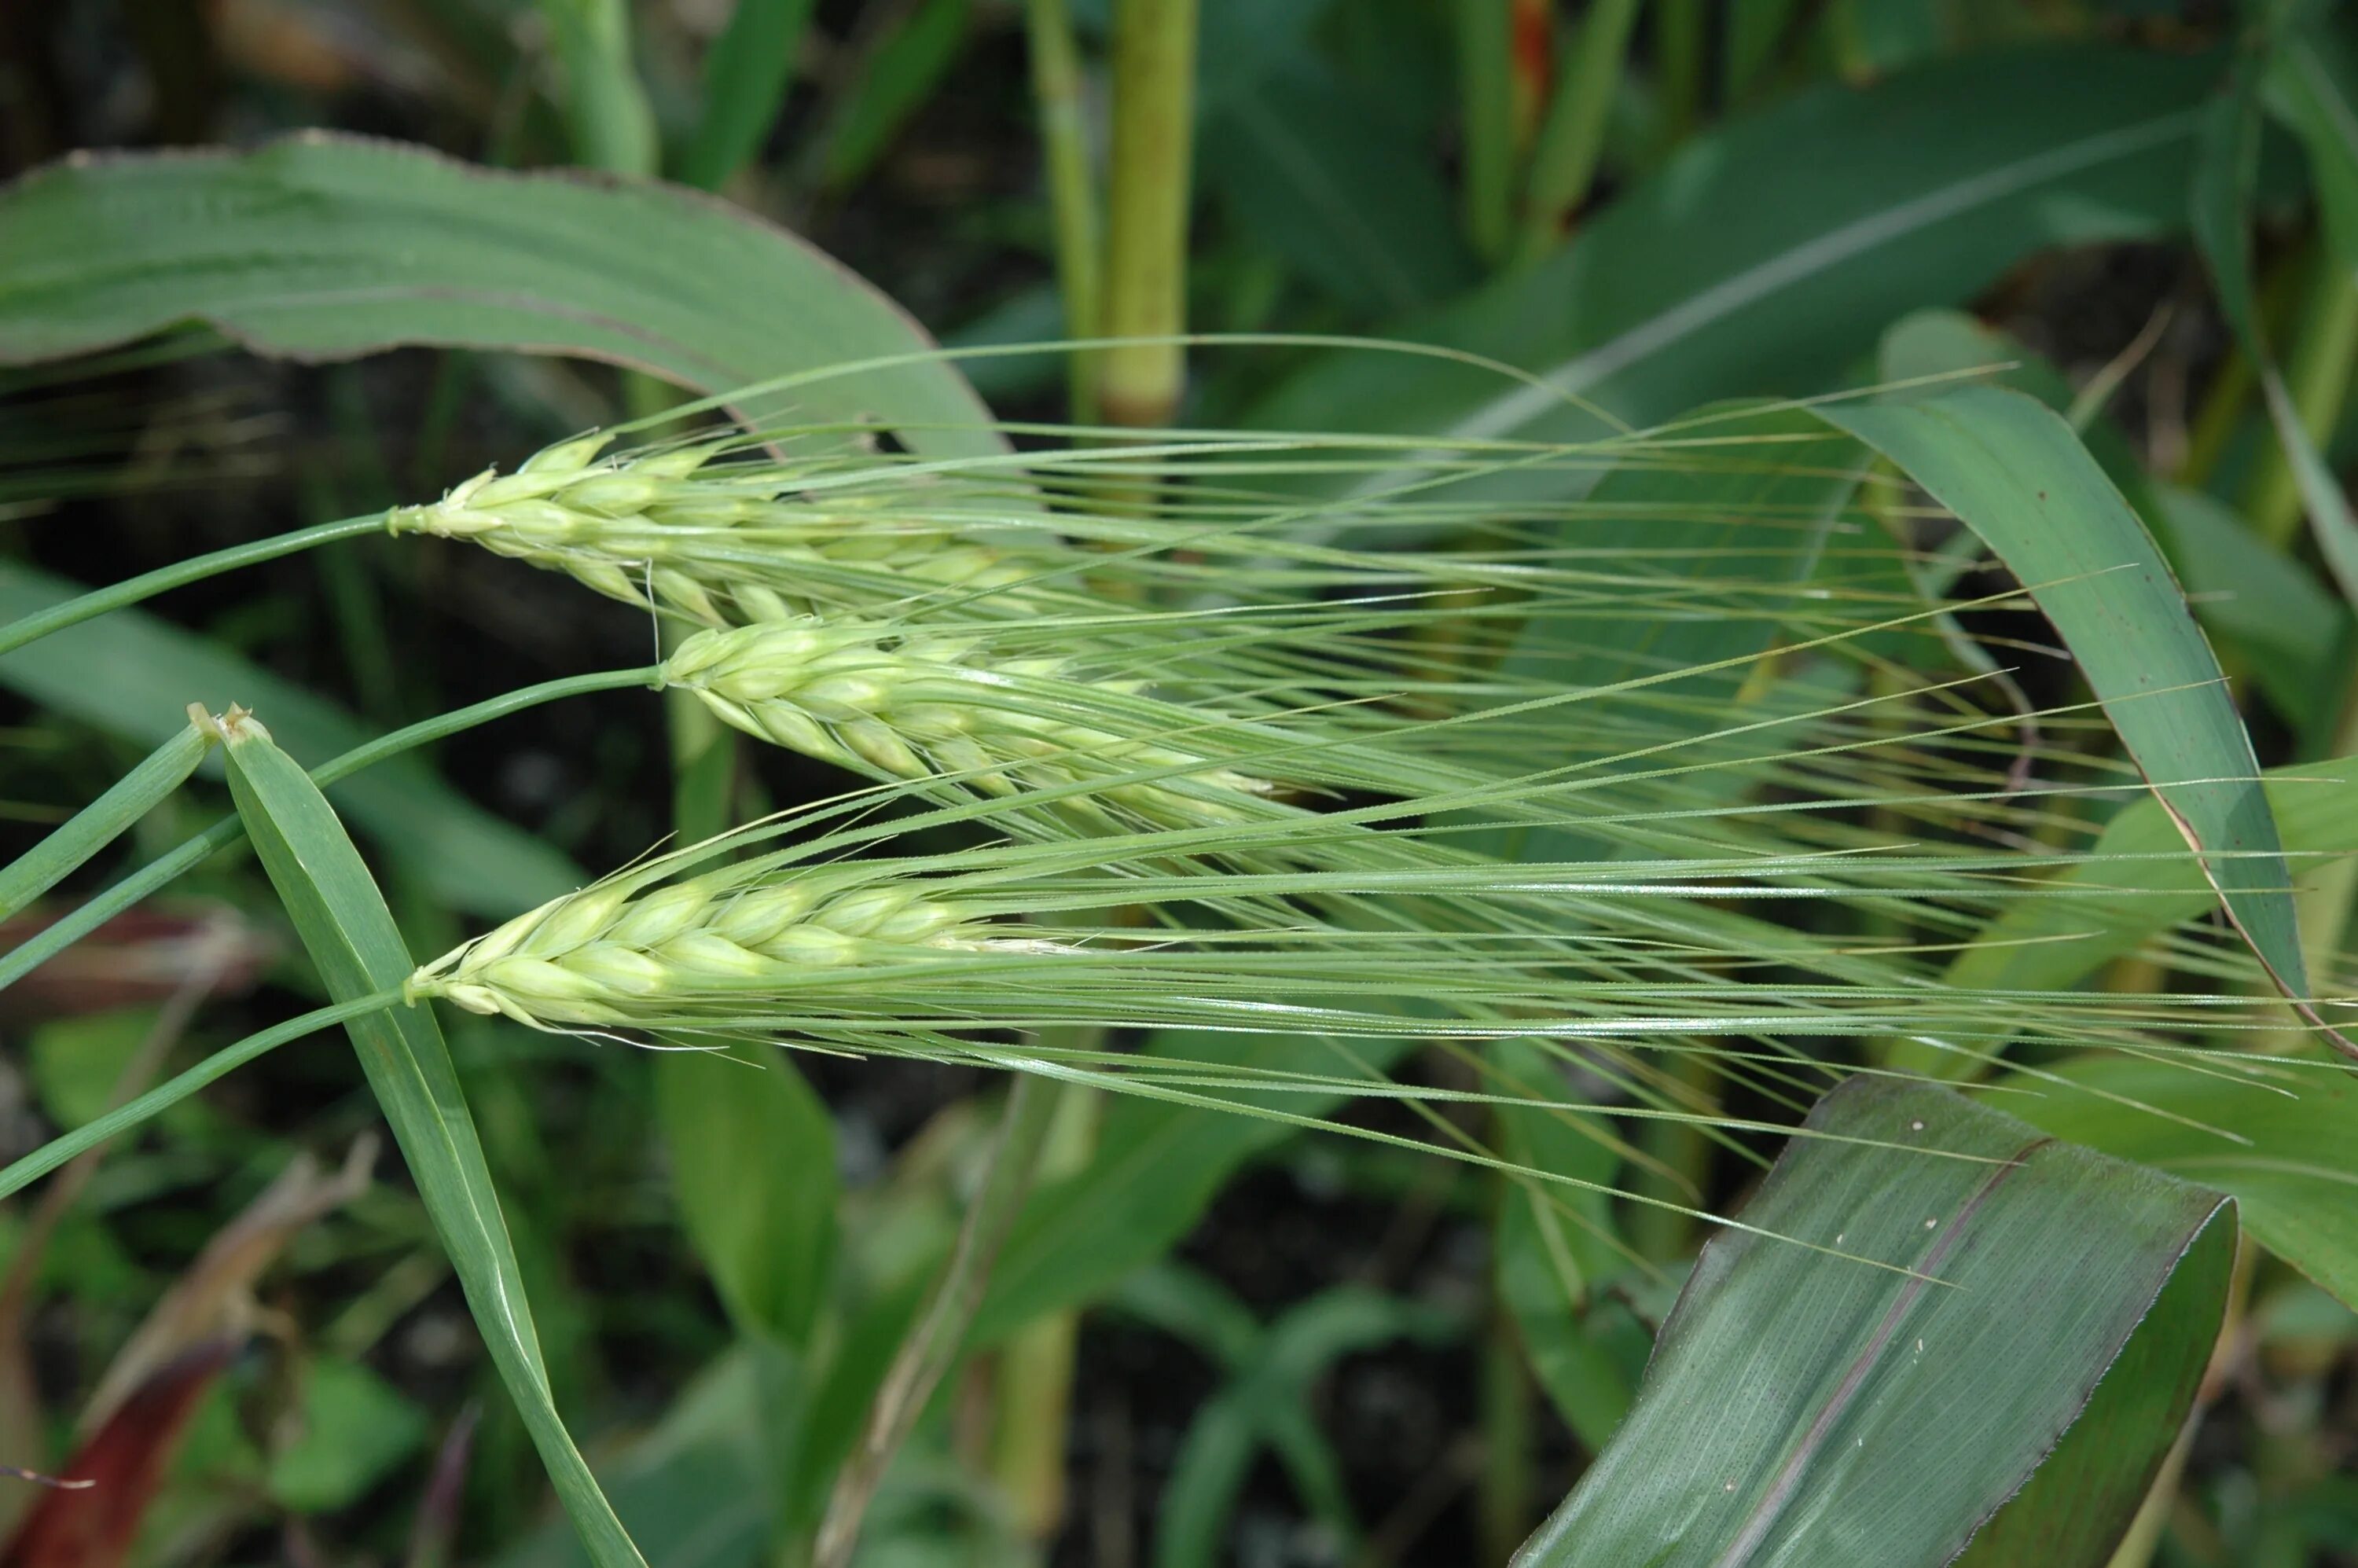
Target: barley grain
{"type": "Point", "coordinates": [603, 956]}
{"type": "Point", "coordinates": [921, 706]}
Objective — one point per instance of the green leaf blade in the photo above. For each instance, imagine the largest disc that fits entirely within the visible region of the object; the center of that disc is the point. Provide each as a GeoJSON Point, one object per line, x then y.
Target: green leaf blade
{"type": "Point", "coordinates": [2012, 471]}
{"type": "Point", "coordinates": [322, 247]}
{"type": "Point", "coordinates": [1809, 1410]}
{"type": "Point", "coordinates": [98, 823]}
{"type": "Point", "coordinates": [350, 934]}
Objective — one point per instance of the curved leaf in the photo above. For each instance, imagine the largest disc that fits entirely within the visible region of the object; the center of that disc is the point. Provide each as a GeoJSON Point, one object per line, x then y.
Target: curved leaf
{"type": "Point", "coordinates": [1764, 257]}
{"type": "Point", "coordinates": [2014, 473]}
{"type": "Point", "coordinates": [1805, 1409]}
{"type": "Point", "coordinates": [336, 910]}
{"type": "Point", "coordinates": [322, 247]}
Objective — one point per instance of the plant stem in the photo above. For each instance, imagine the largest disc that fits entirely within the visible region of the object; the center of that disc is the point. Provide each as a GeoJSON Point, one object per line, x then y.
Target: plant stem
{"type": "Point", "coordinates": [1487, 111]}
{"type": "Point", "coordinates": [926, 1356]}
{"type": "Point", "coordinates": [1564, 162]}
{"type": "Point", "coordinates": [196, 568]}
{"type": "Point", "coordinates": [2324, 345]}
{"type": "Point", "coordinates": [89, 915]}
{"type": "Point", "coordinates": [1140, 383]}
{"type": "Point", "coordinates": [1679, 49]}
{"type": "Point", "coordinates": [1507, 1416]}
{"type": "Point", "coordinates": [98, 823]}
{"type": "Point", "coordinates": [66, 1147]}
{"type": "Point", "coordinates": [1035, 1376]}
{"type": "Point", "coordinates": [1072, 188]}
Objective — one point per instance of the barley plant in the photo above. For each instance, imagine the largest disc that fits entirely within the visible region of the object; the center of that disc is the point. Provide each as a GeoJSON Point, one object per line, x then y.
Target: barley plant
{"type": "Point", "coordinates": [1790, 877]}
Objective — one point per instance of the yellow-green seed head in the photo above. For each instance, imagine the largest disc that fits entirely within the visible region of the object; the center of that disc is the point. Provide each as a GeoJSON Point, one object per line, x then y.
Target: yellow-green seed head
{"type": "Point", "coordinates": [721, 543]}
{"type": "Point", "coordinates": [915, 707]}
{"type": "Point", "coordinates": [608, 956]}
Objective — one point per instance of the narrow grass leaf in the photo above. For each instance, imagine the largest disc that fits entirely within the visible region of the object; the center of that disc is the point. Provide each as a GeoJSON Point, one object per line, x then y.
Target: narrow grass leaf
{"type": "Point", "coordinates": [2225, 173]}
{"type": "Point", "coordinates": [747, 70]}
{"type": "Point", "coordinates": [2014, 473]}
{"type": "Point", "coordinates": [66, 1147]}
{"type": "Point", "coordinates": [345, 927]}
{"type": "Point", "coordinates": [131, 675]}
{"type": "Point", "coordinates": [98, 823]}
{"type": "Point", "coordinates": [1803, 1411]}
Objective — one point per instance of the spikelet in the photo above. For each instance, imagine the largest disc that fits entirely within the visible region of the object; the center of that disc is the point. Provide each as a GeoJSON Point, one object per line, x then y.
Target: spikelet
{"type": "Point", "coordinates": [720, 543]}
{"type": "Point", "coordinates": [931, 705]}
{"type": "Point", "coordinates": [604, 956]}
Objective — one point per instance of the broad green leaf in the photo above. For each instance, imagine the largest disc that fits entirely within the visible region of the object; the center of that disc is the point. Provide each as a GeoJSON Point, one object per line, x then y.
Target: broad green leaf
{"type": "Point", "coordinates": [1339, 187]}
{"type": "Point", "coordinates": [98, 823]}
{"type": "Point", "coordinates": [1803, 1409]}
{"type": "Point", "coordinates": [756, 1183]}
{"type": "Point", "coordinates": [2080, 1502]}
{"type": "Point", "coordinates": [2294, 1175]}
{"type": "Point", "coordinates": [2014, 473]}
{"type": "Point", "coordinates": [1766, 256]}
{"type": "Point", "coordinates": [2051, 943]}
{"type": "Point", "coordinates": [336, 911]}
{"type": "Point", "coordinates": [2258, 602]}
{"type": "Point", "coordinates": [134, 675]}
{"type": "Point", "coordinates": [322, 247]}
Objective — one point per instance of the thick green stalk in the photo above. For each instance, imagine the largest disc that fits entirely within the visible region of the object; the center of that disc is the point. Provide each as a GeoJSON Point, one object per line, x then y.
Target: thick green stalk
{"type": "Point", "coordinates": [1564, 162]}
{"type": "Point", "coordinates": [2324, 347]}
{"type": "Point", "coordinates": [1485, 93]}
{"type": "Point", "coordinates": [1149, 182]}
{"type": "Point", "coordinates": [88, 916]}
{"type": "Point", "coordinates": [1072, 186]}
{"type": "Point", "coordinates": [148, 585]}
{"type": "Point", "coordinates": [929, 1352]}
{"type": "Point", "coordinates": [97, 825]}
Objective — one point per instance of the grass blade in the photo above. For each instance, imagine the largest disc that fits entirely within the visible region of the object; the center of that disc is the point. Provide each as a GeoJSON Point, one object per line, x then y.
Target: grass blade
{"type": "Point", "coordinates": [343, 920]}
{"type": "Point", "coordinates": [66, 1147]}
{"type": "Point", "coordinates": [2014, 473]}
{"type": "Point", "coordinates": [133, 676]}
{"type": "Point", "coordinates": [746, 74]}
{"type": "Point", "coordinates": [94, 827]}
{"type": "Point", "coordinates": [89, 915]}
